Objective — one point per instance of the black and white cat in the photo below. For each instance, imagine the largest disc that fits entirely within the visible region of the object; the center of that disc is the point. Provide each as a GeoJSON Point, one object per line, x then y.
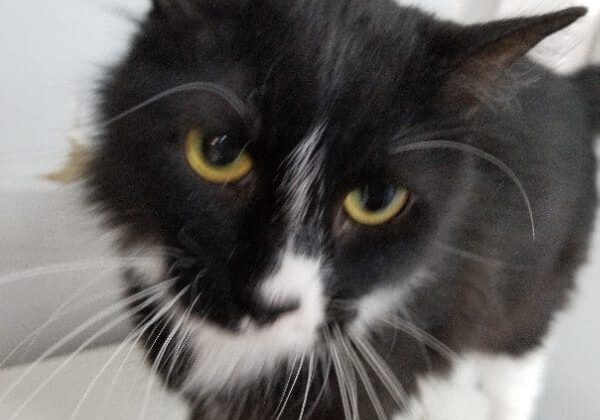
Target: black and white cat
{"type": "Point", "coordinates": [355, 210]}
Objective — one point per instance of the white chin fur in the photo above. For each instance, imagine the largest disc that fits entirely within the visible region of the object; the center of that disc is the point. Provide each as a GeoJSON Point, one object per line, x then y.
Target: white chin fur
{"type": "Point", "coordinates": [228, 360]}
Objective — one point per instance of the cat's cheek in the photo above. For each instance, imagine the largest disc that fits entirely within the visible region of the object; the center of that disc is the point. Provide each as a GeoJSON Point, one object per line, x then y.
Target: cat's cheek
{"type": "Point", "coordinates": [147, 262]}
{"type": "Point", "coordinates": [384, 303]}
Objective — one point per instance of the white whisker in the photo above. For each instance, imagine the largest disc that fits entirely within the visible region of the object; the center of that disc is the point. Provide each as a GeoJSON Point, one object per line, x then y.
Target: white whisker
{"type": "Point", "coordinates": [134, 337]}
{"type": "Point", "coordinates": [311, 367]}
{"type": "Point", "coordinates": [285, 402]}
{"type": "Point", "coordinates": [183, 333]}
{"type": "Point", "coordinates": [339, 372]}
{"type": "Point", "coordinates": [364, 377]}
{"type": "Point", "coordinates": [379, 366]}
{"type": "Point", "coordinates": [326, 373]}
{"type": "Point", "coordinates": [482, 154]}
{"type": "Point", "coordinates": [164, 346]}
{"type": "Point", "coordinates": [115, 379]}
{"type": "Point", "coordinates": [228, 96]}
{"type": "Point", "coordinates": [60, 311]}
{"type": "Point", "coordinates": [183, 338]}
{"type": "Point", "coordinates": [85, 344]}
{"type": "Point", "coordinates": [419, 334]}
{"type": "Point", "coordinates": [291, 368]}
{"type": "Point", "coordinates": [62, 268]}
{"type": "Point", "coordinates": [97, 377]}
{"type": "Point", "coordinates": [110, 311]}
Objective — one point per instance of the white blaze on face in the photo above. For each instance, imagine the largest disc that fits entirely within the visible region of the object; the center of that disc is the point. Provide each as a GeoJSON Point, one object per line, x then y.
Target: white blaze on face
{"type": "Point", "coordinates": [227, 360]}
{"type": "Point", "coordinates": [297, 279]}
{"type": "Point", "coordinates": [304, 170]}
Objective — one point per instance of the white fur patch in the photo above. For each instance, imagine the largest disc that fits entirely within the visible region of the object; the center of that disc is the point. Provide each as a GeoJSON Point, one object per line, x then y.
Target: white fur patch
{"type": "Point", "coordinates": [296, 279]}
{"type": "Point", "coordinates": [480, 387]}
{"type": "Point", "coordinates": [512, 384]}
{"type": "Point", "coordinates": [377, 307]}
{"type": "Point", "coordinates": [147, 261]}
{"type": "Point", "coordinates": [303, 174]}
{"type": "Point", "coordinates": [225, 360]}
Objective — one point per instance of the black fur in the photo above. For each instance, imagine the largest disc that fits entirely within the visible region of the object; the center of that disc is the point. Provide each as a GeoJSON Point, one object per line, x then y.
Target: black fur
{"type": "Point", "coordinates": [382, 77]}
{"type": "Point", "coordinates": [588, 82]}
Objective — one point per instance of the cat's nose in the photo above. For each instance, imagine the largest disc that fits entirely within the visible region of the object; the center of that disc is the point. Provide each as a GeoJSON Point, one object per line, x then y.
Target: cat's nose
{"type": "Point", "coordinates": [268, 314]}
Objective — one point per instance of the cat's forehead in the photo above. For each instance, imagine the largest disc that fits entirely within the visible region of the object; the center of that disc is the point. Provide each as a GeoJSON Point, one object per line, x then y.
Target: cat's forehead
{"type": "Point", "coordinates": [362, 75]}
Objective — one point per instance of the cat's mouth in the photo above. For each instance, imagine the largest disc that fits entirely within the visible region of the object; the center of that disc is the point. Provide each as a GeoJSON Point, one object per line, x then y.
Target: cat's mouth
{"type": "Point", "coordinates": [288, 321]}
{"type": "Point", "coordinates": [255, 349]}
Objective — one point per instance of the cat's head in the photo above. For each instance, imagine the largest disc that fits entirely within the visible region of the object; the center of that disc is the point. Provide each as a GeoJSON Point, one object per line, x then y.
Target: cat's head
{"type": "Point", "coordinates": [301, 170]}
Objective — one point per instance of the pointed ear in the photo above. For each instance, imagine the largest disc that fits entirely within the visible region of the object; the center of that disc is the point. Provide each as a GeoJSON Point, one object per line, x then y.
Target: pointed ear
{"type": "Point", "coordinates": [476, 57]}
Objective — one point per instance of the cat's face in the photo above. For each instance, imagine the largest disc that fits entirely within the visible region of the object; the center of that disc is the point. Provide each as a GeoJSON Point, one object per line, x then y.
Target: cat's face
{"type": "Point", "coordinates": [268, 184]}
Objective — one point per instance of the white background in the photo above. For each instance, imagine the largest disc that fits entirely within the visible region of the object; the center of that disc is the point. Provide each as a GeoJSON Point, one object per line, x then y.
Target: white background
{"type": "Point", "coordinates": [51, 52]}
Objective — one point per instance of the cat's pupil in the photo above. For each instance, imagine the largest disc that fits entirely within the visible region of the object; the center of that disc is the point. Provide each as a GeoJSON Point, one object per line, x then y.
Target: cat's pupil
{"type": "Point", "coordinates": [377, 196]}
{"type": "Point", "coordinates": [221, 150]}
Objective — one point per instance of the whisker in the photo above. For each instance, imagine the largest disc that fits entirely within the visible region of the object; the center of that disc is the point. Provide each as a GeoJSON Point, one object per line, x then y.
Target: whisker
{"type": "Point", "coordinates": [183, 340]}
{"type": "Point", "coordinates": [85, 344]}
{"type": "Point", "coordinates": [115, 379]}
{"type": "Point", "coordinates": [221, 91]}
{"type": "Point", "coordinates": [111, 310]}
{"type": "Point", "coordinates": [183, 335]}
{"type": "Point", "coordinates": [364, 377]}
{"type": "Point", "coordinates": [289, 394]}
{"type": "Point", "coordinates": [482, 154]}
{"type": "Point", "coordinates": [146, 325]}
{"type": "Point", "coordinates": [164, 346]}
{"type": "Point", "coordinates": [422, 346]}
{"type": "Point", "coordinates": [137, 333]}
{"type": "Point", "coordinates": [291, 368]}
{"type": "Point", "coordinates": [326, 373]}
{"type": "Point", "coordinates": [60, 311]}
{"type": "Point", "coordinates": [339, 373]}
{"type": "Point", "coordinates": [311, 367]}
{"type": "Point", "coordinates": [379, 366]}
{"type": "Point", "coordinates": [97, 377]}
{"type": "Point", "coordinates": [62, 268]}
{"type": "Point", "coordinates": [419, 334]}
{"type": "Point", "coordinates": [493, 262]}
{"type": "Point", "coordinates": [439, 132]}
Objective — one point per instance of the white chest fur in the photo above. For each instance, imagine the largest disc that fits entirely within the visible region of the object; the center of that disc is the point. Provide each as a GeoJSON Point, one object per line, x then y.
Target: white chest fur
{"type": "Point", "coordinates": [480, 387]}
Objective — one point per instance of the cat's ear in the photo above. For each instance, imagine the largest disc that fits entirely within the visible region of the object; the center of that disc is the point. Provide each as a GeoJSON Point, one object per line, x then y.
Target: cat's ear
{"type": "Point", "coordinates": [477, 56]}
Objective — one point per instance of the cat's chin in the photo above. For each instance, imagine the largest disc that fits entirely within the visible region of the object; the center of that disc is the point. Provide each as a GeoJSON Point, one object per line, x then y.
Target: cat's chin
{"type": "Point", "coordinates": [226, 360]}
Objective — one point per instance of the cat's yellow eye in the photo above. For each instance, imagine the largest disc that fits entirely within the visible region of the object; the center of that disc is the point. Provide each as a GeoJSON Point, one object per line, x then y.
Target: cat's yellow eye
{"type": "Point", "coordinates": [376, 205]}
{"type": "Point", "coordinates": [219, 160]}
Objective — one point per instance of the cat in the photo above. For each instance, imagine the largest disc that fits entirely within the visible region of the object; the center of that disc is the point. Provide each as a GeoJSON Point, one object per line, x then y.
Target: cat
{"type": "Point", "coordinates": [349, 208]}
